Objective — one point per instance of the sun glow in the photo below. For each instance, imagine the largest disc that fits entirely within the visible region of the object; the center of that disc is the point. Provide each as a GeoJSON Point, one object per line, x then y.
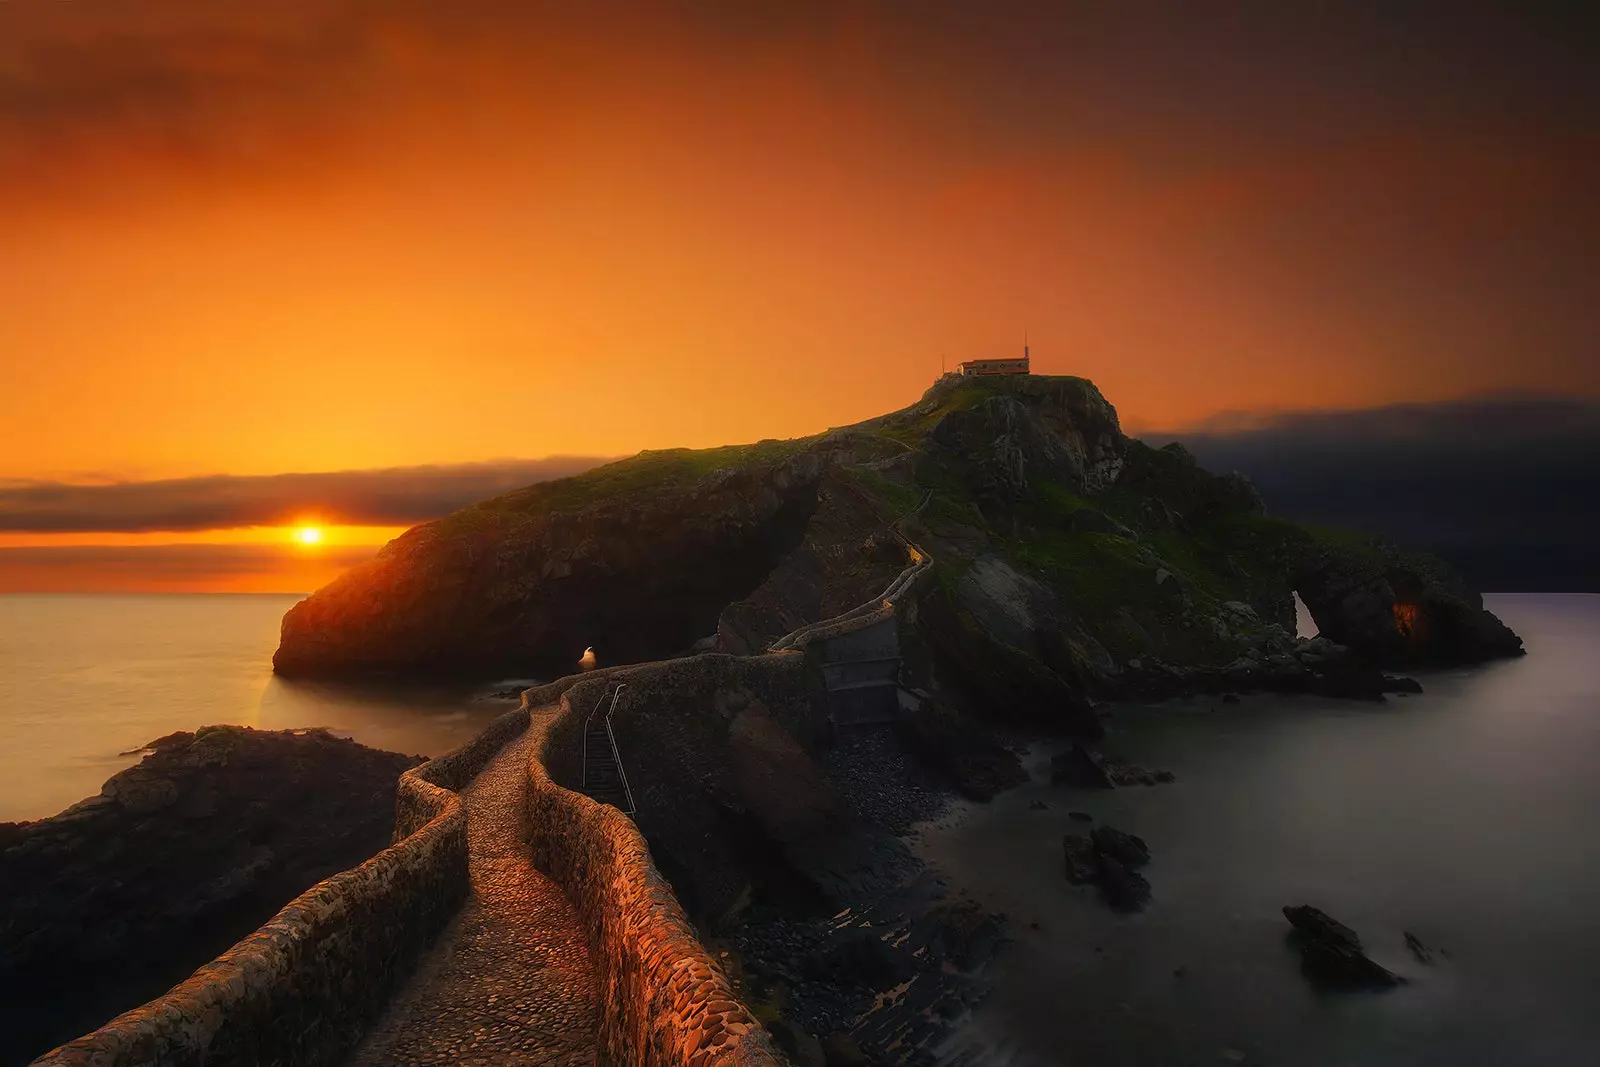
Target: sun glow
{"type": "Point", "coordinates": [308, 535]}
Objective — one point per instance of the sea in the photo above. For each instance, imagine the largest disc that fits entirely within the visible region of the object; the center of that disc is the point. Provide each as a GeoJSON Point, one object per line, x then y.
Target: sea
{"type": "Point", "coordinates": [86, 681]}
{"type": "Point", "coordinates": [1468, 816]}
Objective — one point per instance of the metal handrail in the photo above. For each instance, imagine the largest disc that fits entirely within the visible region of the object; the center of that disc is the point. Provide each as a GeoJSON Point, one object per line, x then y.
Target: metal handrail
{"type": "Point", "coordinates": [616, 755]}
{"type": "Point", "coordinates": [612, 738]}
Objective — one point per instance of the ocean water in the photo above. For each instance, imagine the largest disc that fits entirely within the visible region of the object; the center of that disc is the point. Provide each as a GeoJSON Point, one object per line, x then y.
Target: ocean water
{"type": "Point", "coordinates": [1468, 815]}
{"type": "Point", "coordinates": [87, 679]}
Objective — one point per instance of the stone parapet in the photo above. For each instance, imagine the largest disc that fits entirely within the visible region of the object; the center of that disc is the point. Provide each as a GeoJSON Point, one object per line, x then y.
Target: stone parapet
{"type": "Point", "coordinates": [303, 988]}
{"type": "Point", "coordinates": [664, 1001]}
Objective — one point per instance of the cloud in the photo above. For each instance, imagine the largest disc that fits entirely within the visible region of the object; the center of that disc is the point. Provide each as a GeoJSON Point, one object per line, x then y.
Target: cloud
{"type": "Point", "coordinates": [1506, 487]}
{"type": "Point", "coordinates": [395, 496]}
{"type": "Point", "coordinates": [173, 568]}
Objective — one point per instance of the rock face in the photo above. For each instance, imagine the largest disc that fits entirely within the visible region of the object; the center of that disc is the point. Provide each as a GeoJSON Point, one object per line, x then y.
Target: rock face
{"type": "Point", "coordinates": [1399, 608]}
{"type": "Point", "coordinates": [1070, 564]}
{"type": "Point", "coordinates": [120, 897]}
{"type": "Point", "coordinates": [637, 563]}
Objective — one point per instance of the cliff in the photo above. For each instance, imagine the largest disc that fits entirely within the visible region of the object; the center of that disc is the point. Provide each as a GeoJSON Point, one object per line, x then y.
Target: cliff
{"type": "Point", "coordinates": [1072, 562]}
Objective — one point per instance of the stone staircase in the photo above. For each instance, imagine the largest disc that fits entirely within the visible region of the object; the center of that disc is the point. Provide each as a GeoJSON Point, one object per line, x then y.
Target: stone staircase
{"type": "Point", "coordinates": [603, 777]}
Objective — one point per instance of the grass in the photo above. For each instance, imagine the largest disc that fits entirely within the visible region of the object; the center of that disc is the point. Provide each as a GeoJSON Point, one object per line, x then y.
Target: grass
{"type": "Point", "coordinates": [898, 499]}
{"type": "Point", "coordinates": [647, 472]}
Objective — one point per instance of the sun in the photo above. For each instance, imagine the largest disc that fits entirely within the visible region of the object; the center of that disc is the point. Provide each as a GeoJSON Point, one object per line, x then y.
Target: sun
{"type": "Point", "coordinates": [309, 535]}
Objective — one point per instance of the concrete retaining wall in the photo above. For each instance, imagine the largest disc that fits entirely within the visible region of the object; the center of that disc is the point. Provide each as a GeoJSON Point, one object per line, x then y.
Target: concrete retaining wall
{"type": "Point", "coordinates": [304, 987]}
{"type": "Point", "coordinates": [665, 1001]}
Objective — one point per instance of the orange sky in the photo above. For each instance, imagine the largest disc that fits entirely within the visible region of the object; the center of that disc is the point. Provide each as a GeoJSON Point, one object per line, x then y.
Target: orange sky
{"type": "Point", "coordinates": [344, 234]}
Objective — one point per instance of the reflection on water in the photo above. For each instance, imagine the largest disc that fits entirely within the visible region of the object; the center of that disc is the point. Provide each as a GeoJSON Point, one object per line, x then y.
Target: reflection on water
{"type": "Point", "coordinates": [411, 719]}
{"type": "Point", "coordinates": [86, 678]}
{"type": "Point", "coordinates": [1466, 815]}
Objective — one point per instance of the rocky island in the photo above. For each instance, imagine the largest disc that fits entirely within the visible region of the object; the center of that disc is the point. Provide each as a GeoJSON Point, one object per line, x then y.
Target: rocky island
{"type": "Point", "coordinates": [1028, 562]}
{"type": "Point", "coordinates": [1071, 563]}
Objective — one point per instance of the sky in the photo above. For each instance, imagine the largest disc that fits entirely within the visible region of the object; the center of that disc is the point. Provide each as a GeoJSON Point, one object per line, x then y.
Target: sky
{"type": "Point", "coordinates": [241, 242]}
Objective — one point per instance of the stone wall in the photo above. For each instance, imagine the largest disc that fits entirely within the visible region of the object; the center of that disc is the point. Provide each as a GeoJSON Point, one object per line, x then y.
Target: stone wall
{"type": "Point", "coordinates": [303, 988]}
{"type": "Point", "coordinates": [665, 1001]}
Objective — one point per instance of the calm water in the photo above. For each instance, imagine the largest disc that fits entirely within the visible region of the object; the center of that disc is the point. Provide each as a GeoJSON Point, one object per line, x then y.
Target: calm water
{"type": "Point", "coordinates": [1469, 815]}
{"type": "Point", "coordinates": [84, 678]}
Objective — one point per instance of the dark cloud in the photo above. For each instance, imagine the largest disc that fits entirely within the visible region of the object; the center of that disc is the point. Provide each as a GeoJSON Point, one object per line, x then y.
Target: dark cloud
{"type": "Point", "coordinates": [396, 496]}
{"type": "Point", "coordinates": [1507, 488]}
{"type": "Point", "coordinates": [197, 80]}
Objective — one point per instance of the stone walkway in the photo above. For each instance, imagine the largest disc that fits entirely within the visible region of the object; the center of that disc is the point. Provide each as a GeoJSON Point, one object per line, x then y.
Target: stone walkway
{"type": "Point", "coordinates": [509, 981]}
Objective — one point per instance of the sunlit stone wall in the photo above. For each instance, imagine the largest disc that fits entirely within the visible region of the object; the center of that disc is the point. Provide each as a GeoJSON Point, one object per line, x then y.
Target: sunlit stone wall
{"type": "Point", "coordinates": [665, 1001]}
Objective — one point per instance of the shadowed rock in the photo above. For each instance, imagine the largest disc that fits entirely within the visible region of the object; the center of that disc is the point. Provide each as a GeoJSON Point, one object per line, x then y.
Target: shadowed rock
{"type": "Point", "coordinates": [123, 895]}
{"type": "Point", "coordinates": [1331, 952]}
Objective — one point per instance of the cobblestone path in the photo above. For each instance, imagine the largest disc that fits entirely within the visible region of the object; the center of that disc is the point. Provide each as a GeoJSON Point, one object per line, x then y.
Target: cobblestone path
{"type": "Point", "coordinates": [509, 981]}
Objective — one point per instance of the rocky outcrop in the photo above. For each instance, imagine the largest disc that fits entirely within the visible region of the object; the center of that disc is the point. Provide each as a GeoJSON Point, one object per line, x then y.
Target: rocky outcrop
{"type": "Point", "coordinates": [1059, 429]}
{"type": "Point", "coordinates": [1332, 952]}
{"type": "Point", "coordinates": [122, 896]}
{"type": "Point", "coordinates": [1397, 608]}
{"type": "Point", "coordinates": [301, 988]}
{"type": "Point", "coordinates": [1110, 859]}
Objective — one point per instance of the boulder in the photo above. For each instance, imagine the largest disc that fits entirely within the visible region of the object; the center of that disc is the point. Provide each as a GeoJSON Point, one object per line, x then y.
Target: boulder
{"type": "Point", "coordinates": [1331, 953]}
{"type": "Point", "coordinates": [1122, 888]}
{"type": "Point", "coordinates": [1127, 849]}
{"type": "Point", "coordinates": [1083, 863]}
{"type": "Point", "coordinates": [1317, 925]}
{"type": "Point", "coordinates": [1109, 858]}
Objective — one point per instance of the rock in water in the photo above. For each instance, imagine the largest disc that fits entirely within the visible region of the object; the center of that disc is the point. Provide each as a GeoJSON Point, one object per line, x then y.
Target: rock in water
{"type": "Point", "coordinates": [1123, 889]}
{"type": "Point", "coordinates": [1318, 925]}
{"type": "Point", "coordinates": [1127, 849]}
{"type": "Point", "coordinates": [1331, 952]}
{"type": "Point", "coordinates": [1083, 863]}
